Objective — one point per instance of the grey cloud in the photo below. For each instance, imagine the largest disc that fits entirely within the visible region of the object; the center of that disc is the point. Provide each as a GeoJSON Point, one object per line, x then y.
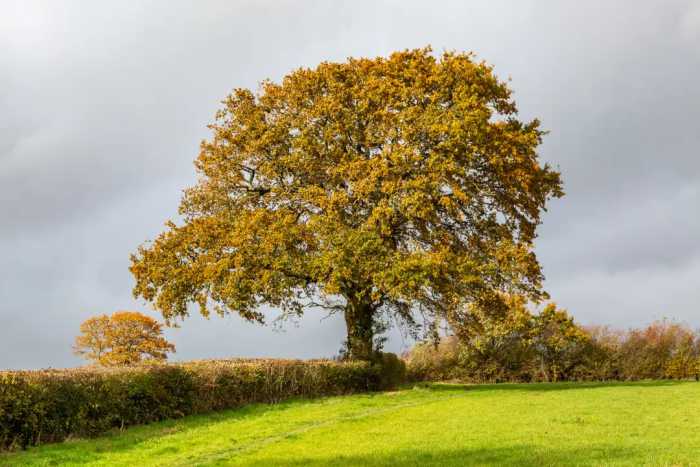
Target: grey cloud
{"type": "Point", "coordinates": [103, 105]}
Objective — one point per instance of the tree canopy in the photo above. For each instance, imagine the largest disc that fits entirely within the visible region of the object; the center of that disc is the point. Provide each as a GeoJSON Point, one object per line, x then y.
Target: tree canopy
{"type": "Point", "coordinates": [124, 338]}
{"type": "Point", "coordinates": [391, 188]}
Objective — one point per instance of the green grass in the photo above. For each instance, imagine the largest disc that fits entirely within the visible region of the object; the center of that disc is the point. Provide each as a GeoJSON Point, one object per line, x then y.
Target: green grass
{"type": "Point", "coordinates": [651, 423]}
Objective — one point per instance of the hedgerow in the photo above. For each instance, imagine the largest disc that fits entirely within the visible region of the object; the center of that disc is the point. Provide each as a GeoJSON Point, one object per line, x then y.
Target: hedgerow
{"type": "Point", "coordinates": [51, 405]}
{"type": "Point", "coordinates": [662, 350]}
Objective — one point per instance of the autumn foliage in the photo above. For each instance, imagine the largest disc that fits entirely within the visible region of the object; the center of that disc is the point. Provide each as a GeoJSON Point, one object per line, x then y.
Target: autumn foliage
{"type": "Point", "coordinates": [122, 339]}
{"type": "Point", "coordinates": [549, 346]}
{"type": "Point", "coordinates": [382, 189]}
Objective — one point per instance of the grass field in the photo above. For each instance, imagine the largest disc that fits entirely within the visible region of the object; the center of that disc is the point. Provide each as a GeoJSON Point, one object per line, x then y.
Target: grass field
{"type": "Point", "coordinates": [652, 423]}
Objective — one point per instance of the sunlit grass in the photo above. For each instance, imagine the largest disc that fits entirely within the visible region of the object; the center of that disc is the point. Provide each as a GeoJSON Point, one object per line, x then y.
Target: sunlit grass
{"type": "Point", "coordinates": [653, 423]}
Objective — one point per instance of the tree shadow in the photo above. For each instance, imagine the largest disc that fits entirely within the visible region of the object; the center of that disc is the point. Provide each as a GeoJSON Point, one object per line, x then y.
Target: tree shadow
{"type": "Point", "coordinates": [517, 455]}
{"type": "Point", "coordinates": [544, 387]}
{"type": "Point", "coordinates": [86, 450]}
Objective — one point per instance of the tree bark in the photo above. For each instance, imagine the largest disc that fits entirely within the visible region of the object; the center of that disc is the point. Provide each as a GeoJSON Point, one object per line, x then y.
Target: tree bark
{"type": "Point", "coordinates": [359, 320]}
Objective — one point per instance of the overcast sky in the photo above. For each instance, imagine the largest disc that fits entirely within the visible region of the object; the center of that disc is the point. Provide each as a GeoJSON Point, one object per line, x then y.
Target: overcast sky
{"type": "Point", "coordinates": [103, 105]}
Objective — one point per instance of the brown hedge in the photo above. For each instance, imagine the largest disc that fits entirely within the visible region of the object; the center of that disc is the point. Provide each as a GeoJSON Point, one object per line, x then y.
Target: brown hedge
{"type": "Point", "coordinates": [51, 405]}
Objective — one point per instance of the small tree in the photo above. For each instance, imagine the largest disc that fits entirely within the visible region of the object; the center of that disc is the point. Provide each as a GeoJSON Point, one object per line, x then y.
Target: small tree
{"type": "Point", "coordinates": [558, 342]}
{"type": "Point", "coordinates": [124, 338]}
{"type": "Point", "coordinates": [503, 340]}
{"type": "Point", "coordinates": [377, 188]}
{"type": "Point", "coordinates": [685, 360]}
{"type": "Point", "coordinates": [601, 360]}
{"type": "Point", "coordinates": [495, 340]}
{"type": "Point", "coordinates": [94, 340]}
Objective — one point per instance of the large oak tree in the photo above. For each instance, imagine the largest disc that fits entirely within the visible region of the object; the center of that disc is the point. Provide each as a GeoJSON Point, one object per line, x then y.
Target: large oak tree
{"type": "Point", "coordinates": [381, 188]}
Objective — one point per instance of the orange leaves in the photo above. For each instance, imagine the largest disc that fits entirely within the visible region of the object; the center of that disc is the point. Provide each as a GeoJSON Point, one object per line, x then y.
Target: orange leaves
{"type": "Point", "coordinates": [125, 338]}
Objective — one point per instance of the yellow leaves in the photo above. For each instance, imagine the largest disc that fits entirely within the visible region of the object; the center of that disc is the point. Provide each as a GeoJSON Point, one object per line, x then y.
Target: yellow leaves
{"type": "Point", "coordinates": [408, 176]}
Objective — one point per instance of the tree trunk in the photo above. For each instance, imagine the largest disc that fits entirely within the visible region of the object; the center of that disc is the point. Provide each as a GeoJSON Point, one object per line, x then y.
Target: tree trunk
{"type": "Point", "coordinates": [359, 319]}
{"type": "Point", "coordinates": [544, 369]}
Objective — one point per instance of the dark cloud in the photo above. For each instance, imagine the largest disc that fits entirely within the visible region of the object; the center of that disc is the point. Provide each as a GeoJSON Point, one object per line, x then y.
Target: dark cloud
{"type": "Point", "coordinates": [102, 107]}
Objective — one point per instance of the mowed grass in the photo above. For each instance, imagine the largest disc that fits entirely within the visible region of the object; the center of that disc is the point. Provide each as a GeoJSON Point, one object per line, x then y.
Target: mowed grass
{"type": "Point", "coordinates": [650, 423]}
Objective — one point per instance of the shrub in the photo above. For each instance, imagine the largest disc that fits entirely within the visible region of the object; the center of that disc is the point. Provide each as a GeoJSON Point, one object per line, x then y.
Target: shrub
{"type": "Point", "coordinates": [660, 350]}
{"type": "Point", "coordinates": [392, 370]}
{"type": "Point", "coordinates": [51, 405]}
{"type": "Point", "coordinates": [505, 342]}
{"type": "Point", "coordinates": [550, 346]}
{"type": "Point", "coordinates": [600, 359]}
{"type": "Point", "coordinates": [428, 361]}
{"type": "Point", "coordinates": [685, 361]}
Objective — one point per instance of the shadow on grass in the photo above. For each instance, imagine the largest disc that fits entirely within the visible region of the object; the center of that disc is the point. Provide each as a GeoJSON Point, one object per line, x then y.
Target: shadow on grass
{"type": "Point", "coordinates": [87, 450]}
{"type": "Point", "coordinates": [520, 455]}
{"type": "Point", "coordinates": [544, 387]}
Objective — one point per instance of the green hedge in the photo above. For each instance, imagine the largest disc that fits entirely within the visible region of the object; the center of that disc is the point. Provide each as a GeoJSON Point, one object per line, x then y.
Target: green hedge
{"type": "Point", "coordinates": [51, 405]}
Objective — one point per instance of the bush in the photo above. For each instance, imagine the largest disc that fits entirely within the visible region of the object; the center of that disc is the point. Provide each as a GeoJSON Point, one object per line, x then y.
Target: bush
{"type": "Point", "coordinates": [430, 362]}
{"type": "Point", "coordinates": [392, 370]}
{"type": "Point", "coordinates": [553, 348]}
{"type": "Point", "coordinates": [51, 405]}
{"type": "Point", "coordinates": [660, 350]}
